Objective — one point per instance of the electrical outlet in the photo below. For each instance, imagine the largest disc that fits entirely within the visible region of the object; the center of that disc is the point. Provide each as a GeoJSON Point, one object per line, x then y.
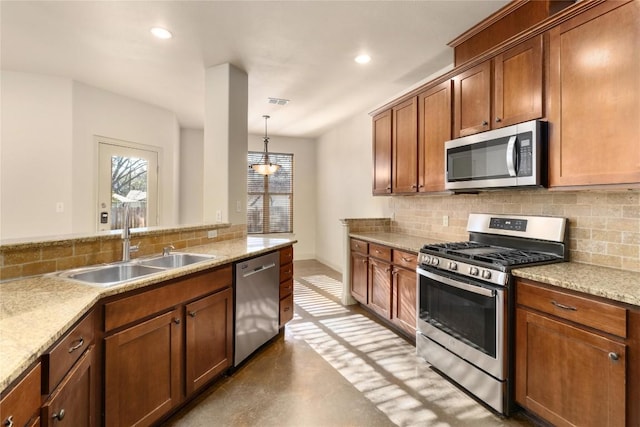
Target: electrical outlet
{"type": "Point", "coordinates": [212, 233]}
{"type": "Point", "coordinates": [445, 220]}
{"type": "Point", "coordinates": [59, 207]}
{"type": "Point", "coordinates": [238, 206]}
{"type": "Point", "coordinates": [219, 215]}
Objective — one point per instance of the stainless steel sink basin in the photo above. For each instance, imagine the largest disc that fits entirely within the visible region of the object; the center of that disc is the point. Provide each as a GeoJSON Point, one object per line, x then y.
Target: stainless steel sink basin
{"type": "Point", "coordinates": [175, 260]}
{"type": "Point", "coordinates": [112, 274]}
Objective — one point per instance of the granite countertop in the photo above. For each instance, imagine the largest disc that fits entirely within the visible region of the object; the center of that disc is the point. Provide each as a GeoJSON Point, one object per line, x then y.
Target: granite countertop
{"type": "Point", "coordinates": [36, 311]}
{"type": "Point", "coordinates": [617, 285]}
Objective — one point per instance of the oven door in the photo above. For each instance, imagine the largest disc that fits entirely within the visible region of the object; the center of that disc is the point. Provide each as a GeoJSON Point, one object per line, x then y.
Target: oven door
{"type": "Point", "coordinates": [464, 316]}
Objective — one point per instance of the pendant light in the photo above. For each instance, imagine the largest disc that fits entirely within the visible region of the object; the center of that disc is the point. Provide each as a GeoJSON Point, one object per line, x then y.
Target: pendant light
{"type": "Point", "coordinates": [265, 167]}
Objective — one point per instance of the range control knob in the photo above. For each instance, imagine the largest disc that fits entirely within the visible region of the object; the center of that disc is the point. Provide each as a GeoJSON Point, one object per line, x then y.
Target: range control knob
{"type": "Point", "coordinates": [453, 265]}
{"type": "Point", "coordinates": [474, 271]}
{"type": "Point", "coordinates": [435, 261]}
{"type": "Point", "coordinates": [486, 274]}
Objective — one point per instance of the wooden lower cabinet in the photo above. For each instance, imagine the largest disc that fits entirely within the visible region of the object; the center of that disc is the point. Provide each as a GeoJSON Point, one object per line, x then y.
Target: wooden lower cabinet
{"type": "Point", "coordinates": [209, 338]}
{"type": "Point", "coordinates": [567, 373]}
{"type": "Point", "coordinates": [404, 299]}
{"type": "Point", "coordinates": [143, 367]}
{"type": "Point", "coordinates": [286, 286]}
{"type": "Point", "coordinates": [20, 405]}
{"type": "Point", "coordinates": [380, 287]}
{"type": "Point", "coordinates": [73, 402]}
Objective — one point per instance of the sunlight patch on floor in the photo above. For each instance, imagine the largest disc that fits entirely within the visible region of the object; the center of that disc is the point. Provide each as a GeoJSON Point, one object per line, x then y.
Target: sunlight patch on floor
{"type": "Point", "coordinates": [326, 283]}
{"type": "Point", "coordinates": [314, 303]}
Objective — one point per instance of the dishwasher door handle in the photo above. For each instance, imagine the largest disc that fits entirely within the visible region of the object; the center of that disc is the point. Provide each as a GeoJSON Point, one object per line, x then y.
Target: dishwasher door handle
{"type": "Point", "coordinates": [259, 269]}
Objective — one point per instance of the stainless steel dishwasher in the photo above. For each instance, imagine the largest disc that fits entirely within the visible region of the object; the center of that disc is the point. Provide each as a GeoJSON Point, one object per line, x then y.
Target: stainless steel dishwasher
{"type": "Point", "coordinates": [257, 303]}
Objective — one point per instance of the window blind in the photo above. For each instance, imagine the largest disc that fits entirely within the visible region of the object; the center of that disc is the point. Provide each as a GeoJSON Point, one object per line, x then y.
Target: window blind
{"type": "Point", "coordinates": [270, 197]}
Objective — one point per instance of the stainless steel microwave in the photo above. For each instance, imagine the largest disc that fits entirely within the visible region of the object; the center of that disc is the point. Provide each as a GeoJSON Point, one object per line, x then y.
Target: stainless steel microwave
{"type": "Point", "coordinates": [513, 156]}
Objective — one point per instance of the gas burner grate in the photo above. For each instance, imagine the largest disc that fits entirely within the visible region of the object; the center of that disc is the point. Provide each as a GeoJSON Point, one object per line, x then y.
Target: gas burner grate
{"type": "Point", "coordinates": [453, 246]}
{"type": "Point", "coordinates": [515, 257]}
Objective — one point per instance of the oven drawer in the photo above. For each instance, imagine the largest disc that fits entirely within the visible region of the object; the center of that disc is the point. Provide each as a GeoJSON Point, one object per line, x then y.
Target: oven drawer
{"type": "Point", "coordinates": [583, 310]}
{"type": "Point", "coordinates": [405, 259]}
{"type": "Point", "coordinates": [359, 246]}
{"type": "Point", "coordinates": [380, 252]}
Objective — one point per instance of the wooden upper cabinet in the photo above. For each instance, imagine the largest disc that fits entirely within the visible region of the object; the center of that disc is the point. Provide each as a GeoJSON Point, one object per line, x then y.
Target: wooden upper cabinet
{"type": "Point", "coordinates": [434, 128]}
{"type": "Point", "coordinates": [472, 92]}
{"type": "Point", "coordinates": [382, 153]}
{"type": "Point", "coordinates": [404, 153]}
{"type": "Point", "coordinates": [594, 97]}
{"type": "Point", "coordinates": [518, 85]}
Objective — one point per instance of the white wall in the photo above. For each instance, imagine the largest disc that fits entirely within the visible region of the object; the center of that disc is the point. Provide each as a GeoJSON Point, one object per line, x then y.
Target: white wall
{"type": "Point", "coordinates": [344, 186]}
{"type": "Point", "coordinates": [191, 175]}
{"type": "Point", "coordinates": [49, 153]}
{"type": "Point", "coordinates": [304, 188]}
{"type": "Point", "coordinates": [35, 160]}
{"type": "Point", "coordinates": [98, 112]}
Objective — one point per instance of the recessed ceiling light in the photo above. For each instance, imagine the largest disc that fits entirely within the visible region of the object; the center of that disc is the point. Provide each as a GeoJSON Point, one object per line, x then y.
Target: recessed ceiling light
{"type": "Point", "coordinates": [161, 33]}
{"type": "Point", "coordinates": [362, 59]}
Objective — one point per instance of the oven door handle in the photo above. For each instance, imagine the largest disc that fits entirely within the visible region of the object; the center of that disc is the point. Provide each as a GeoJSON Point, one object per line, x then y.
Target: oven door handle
{"type": "Point", "coordinates": [460, 285]}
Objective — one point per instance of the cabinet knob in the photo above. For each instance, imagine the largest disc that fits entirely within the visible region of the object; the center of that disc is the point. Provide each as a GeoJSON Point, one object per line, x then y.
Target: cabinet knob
{"type": "Point", "coordinates": [389, 187]}
{"type": "Point", "coordinates": [9, 421]}
{"type": "Point", "coordinates": [414, 186]}
{"type": "Point", "coordinates": [498, 119]}
{"type": "Point", "coordinates": [176, 321]}
{"type": "Point", "coordinates": [59, 416]}
{"type": "Point", "coordinates": [614, 356]}
{"type": "Point", "coordinates": [192, 313]}
{"type": "Point", "coordinates": [485, 123]}
{"type": "Point", "coordinates": [364, 261]}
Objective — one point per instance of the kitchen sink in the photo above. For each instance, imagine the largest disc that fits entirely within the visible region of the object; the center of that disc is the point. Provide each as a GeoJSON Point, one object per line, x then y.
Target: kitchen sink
{"type": "Point", "coordinates": [175, 260]}
{"type": "Point", "coordinates": [112, 274]}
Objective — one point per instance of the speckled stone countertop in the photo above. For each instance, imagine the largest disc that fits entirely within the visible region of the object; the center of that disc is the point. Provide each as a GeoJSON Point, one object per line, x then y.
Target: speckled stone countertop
{"type": "Point", "coordinates": [617, 285]}
{"type": "Point", "coordinates": [36, 311]}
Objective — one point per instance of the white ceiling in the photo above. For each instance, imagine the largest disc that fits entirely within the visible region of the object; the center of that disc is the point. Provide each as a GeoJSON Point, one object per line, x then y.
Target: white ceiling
{"type": "Point", "coordinates": [299, 50]}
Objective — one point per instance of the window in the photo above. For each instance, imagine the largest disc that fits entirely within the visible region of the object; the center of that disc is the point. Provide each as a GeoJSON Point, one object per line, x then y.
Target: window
{"type": "Point", "coordinates": [270, 197]}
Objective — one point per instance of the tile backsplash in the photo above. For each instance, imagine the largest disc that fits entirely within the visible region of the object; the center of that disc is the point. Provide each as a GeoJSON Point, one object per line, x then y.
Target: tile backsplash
{"type": "Point", "coordinates": [604, 226]}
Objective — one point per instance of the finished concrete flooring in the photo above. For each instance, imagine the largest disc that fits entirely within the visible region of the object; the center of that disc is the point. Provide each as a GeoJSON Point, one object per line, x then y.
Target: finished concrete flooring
{"type": "Point", "coordinates": [335, 366]}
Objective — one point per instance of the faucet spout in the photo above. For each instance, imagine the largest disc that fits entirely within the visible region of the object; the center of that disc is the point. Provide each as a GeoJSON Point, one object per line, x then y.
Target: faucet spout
{"type": "Point", "coordinates": [126, 234]}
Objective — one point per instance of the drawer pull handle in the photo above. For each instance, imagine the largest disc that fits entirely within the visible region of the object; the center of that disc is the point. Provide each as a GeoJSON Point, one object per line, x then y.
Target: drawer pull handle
{"type": "Point", "coordinates": [192, 313]}
{"type": "Point", "coordinates": [564, 307]}
{"type": "Point", "coordinates": [9, 421]}
{"type": "Point", "coordinates": [79, 344]}
{"type": "Point", "coordinates": [407, 259]}
{"type": "Point", "coordinates": [286, 309]}
{"type": "Point", "coordinates": [59, 416]}
{"type": "Point", "coordinates": [614, 356]}
{"type": "Point", "coordinates": [176, 321]}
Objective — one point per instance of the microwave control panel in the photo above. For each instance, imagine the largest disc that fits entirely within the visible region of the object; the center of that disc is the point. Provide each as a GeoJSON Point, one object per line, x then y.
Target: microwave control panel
{"type": "Point", "coordinates": [525, 154]}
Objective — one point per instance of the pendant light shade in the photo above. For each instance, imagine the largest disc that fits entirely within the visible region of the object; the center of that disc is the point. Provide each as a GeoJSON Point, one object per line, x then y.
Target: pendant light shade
{"type": "Point", "coordinates": [265, 167]}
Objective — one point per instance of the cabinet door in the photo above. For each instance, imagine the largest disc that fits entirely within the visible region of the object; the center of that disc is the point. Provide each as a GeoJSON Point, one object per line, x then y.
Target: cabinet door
{"type": "Point", "coordinates": [359, 274]}
{"type": "Point", "coordinates": [472, 94]}
{"type": "Point", "coordinates": [380, 287]}
{"type": "Point", "coordinates": [22, 402]}
{"type": "Point", "coordinates": [404, 299]}
{"type": "Point", "coordinates": [209, 330]}
{"type": "Point", "coordinates": [72, 403]}
{"type": "Point", "coordinates": [518, 84]}
{"type": "Point", "coordinates": [382, 153]}
{"type": "Point", "coordinates": [594, 97]}
{"type": "Point", "coordinates": [143, 368]}
{"type": "Point", "coordinates": [404, 154]}
{"type": "Point", "coordinates": [434, 128]}
{"type": "Point", "coordinates": [567, 375]}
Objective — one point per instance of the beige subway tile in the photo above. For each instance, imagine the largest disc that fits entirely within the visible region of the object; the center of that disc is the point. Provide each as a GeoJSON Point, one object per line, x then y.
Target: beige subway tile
{"type": "Point", "coordinates": [591, 246]}
{"type": "Point", "coordinates": [631, 211]}
{"type": "Point", "coordinates": [623, 224]}
{"type": "Point", "coordinates": [111, 245]}
{"type": "Point", "coordinates": [607, 260]}
{"type": "Point", "coordinates": [57, 251]}
{"type": "Point", "coordinates": [81, 248]}
{"type": "Point", "coordinates": [579, 256]}
{"type": "Point", "coordinates": [632, 264]}
{"type": "Point", "coordinates": [11, 272]}
{"type": "Point", "coordinates": [629, 251]}
{"type": "Point", "coordinates": [577, 211]}
{"type": "Point", "coordinates": [630, 238]}
{"type": "Point", "coordinates": [21, 256]}
{"type": "Point", "coordinates": [564, 198]}
{"type": "Point", "coordinates": [71, 262]}
{"type": "Point", "coordinates": [624, 198]}
{"type": "Point", "coordinates": [607, 236]}
{"type": "Point", "coordinates": [609, 211]}
{"type": "Point", "coordinates": [40, 267]}
{"type": "Point", "coordinates": [581, 233]}
{"type": "Point", "coordinates": [555, 210]}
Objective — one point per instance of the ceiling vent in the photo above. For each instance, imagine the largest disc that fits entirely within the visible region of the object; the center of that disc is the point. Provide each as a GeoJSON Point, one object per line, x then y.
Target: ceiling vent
{"type": "Point", "coordinates": [278, 101]}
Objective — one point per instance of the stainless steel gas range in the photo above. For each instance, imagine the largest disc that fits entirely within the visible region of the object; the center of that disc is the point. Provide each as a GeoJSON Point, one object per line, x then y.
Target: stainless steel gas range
{"type": "Point", "coordinates": [465, 303]}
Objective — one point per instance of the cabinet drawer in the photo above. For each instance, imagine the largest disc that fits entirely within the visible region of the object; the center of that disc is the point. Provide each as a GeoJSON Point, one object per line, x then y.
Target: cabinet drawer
{"type": "Point", "coordinates": [286, 288]}
{"type": "Point", "coordinates": [286, 255]}
{"type": "Point", "coordinates": [359, 246]}
{"type": "Point", "coordinates": [380, 252]}
{"type": "Point", "coordinates": [405, 259]}
{"type": "Point", "coordinates": [286, 272]}
{"type": "Point", "coordinates": [286, 309]}
{"type": "Point", "coordinates": [23, 401]}
{"type": "Point", "coordinates": [62, 356]}
{"type": "Point", "coordinates": [586, 311]}
{"type": "Point", "coordinates": [139, 306]}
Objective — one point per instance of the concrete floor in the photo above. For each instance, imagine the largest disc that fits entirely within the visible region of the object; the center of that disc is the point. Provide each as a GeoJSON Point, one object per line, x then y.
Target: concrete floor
{"type": "Point", "coordinates": [335, 366]}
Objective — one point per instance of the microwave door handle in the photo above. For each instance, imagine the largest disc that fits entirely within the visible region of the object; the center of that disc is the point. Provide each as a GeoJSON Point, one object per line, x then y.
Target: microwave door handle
{"type": "Point", "coordinates": [511, 156]}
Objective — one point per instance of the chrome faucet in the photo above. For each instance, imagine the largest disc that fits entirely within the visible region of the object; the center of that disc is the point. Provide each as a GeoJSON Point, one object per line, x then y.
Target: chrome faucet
{"type": "Point", "coordinates": [167, 250]}
{"type": "Point", "coordinates": [126, 236]}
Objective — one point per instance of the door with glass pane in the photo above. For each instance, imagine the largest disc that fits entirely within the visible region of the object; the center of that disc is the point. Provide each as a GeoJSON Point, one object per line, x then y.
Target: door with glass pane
{"type": "Point", "coordinates": [127, 175]}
